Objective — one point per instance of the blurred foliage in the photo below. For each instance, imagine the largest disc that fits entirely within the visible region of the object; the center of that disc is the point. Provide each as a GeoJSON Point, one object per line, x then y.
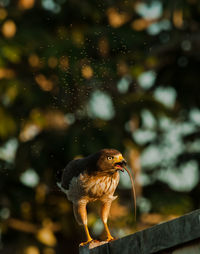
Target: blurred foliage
{"type": "Point", "coordinates": [77, 76]}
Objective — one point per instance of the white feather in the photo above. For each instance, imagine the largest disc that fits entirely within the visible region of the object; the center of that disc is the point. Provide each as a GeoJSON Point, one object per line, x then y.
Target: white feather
{"type": "Point", "coordinates": [62, 189]}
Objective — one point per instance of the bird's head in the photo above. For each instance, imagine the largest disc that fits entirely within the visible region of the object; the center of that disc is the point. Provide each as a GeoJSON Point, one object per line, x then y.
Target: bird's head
{"type": "Point", "coordinates": [110, 161]}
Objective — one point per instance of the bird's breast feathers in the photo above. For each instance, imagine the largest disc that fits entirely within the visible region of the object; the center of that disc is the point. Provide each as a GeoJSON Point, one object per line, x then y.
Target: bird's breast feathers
{"type": "Point", "coordinates": [92, 187]}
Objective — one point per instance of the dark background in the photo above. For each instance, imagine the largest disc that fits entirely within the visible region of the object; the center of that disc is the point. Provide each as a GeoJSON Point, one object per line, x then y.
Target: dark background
{"type": "Point", "coordinates": [78, 76]}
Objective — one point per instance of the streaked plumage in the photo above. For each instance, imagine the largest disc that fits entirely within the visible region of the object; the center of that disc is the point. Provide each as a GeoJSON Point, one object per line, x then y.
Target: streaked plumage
{"type": "Point", "coordinates": [92, 178]}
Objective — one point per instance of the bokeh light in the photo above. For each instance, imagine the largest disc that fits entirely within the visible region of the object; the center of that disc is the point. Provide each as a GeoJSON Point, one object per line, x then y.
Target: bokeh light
{"type": "Point", "coordinates": [9, 29]}
{"type": "Point", "coordinates": [79, 76]}
{"type": "Point", "coordinates": [26, 4]}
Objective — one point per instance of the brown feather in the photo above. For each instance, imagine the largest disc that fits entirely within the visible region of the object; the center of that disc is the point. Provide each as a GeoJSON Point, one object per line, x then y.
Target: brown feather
{"type": "Point", "coordinates": [93, 178]}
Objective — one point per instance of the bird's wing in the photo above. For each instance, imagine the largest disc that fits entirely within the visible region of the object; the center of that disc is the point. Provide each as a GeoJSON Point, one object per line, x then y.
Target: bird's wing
{"type": "Point", "coordinates": [76, 167]}
{"type": "Point", "coordinates": [73, 169]}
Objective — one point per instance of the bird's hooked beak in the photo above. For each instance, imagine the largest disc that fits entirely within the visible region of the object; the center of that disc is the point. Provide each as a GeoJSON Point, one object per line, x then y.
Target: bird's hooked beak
{"type": "Point", "coordinates": [119, 162]}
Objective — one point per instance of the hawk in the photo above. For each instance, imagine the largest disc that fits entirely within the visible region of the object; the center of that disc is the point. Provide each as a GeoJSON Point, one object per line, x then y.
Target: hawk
{"type": "Point", "coordinates": [92, 178]}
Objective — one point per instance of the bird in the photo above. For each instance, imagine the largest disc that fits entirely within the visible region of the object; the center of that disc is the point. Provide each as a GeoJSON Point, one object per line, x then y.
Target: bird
{"type": "Point", "coordinates": [92, 178]}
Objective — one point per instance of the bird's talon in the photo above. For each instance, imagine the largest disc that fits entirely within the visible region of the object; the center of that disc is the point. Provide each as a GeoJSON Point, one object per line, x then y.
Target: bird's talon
{"type": "Point", "coordinates": [87, 242]}
{"type": "Point", "coordinates": [109, 239]}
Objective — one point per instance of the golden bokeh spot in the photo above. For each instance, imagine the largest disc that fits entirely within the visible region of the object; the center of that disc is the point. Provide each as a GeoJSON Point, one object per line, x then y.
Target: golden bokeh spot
{"type": "Point", "coordinates": [52, 62]}
{"type": "Point", "coordinates": [155, 218]}
{"type": "Point", "coordinates": [178, 18]}
{"type": "Point", "coordinates": [87, 71]}
{"type": "Point", "coordinates": [44, 83]}
{"type": "Point", "coordinates": [9, 29]}
{"type": "Point", "coordinates": [64, 63]}
{"type": "Point", "coordinates": [55, 119]}
{"type": "Point", "coordinates": [46, 236]}
{"type": "Point", "coordinates": [39, 120]}
{"type": "Point", "coordinates": [34, 60]}
{"type": "Point", "coordinates": [3, 14]}
{"type": "Point", "coordinates": [116, 18]}
{"type": "Point", "coordinates": [29, 131]}
{"type": "Point", "coordinates": [141, 24]}
{"type": "Point", "coordinates": [26, 4]}
{"type": "Point", "coordinates": [118, 210]}
{"type": "Point", "coordinates": [6, 73]}
{"type": "Point", "coordinates": [103, 46]}
{"type": "Point", "coordinates": [31, 250]}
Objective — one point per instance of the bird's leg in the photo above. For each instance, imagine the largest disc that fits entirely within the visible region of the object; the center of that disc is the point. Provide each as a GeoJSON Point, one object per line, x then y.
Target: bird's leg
{"type": "Point", "coordinates": [104, 216]}
{"type": "Point", "coordinates": [89, 238]}
{"type": "Point", "coordinates": [80, 213]}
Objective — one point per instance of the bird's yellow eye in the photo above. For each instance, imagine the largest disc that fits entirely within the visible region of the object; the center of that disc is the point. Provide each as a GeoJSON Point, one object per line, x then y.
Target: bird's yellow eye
{"type": "Point", "coordinates": [110, 158]}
